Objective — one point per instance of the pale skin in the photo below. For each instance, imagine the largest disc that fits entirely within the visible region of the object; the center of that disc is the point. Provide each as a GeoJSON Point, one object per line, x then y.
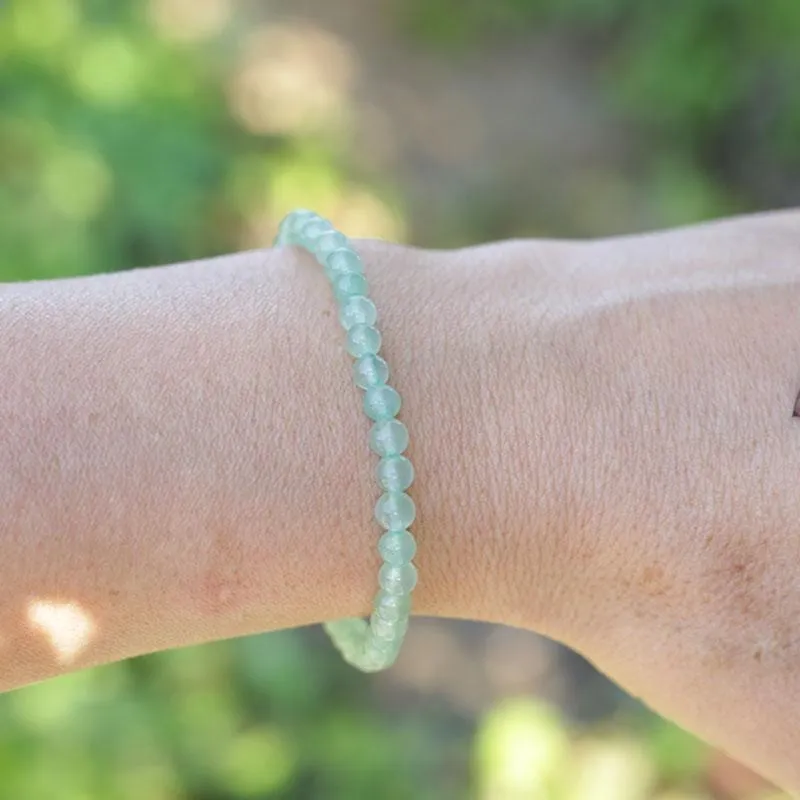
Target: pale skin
{"type": "Point", "coordinates": [603, 433]}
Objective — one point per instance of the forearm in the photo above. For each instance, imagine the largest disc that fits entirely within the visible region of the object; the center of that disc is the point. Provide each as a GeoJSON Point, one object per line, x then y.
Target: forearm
{"type": "Point", "coordinates": [602, 432]}
{"type": "Point", "coordinates": [185, 457]}
{"type": "Point", "coordinates": [182, 459]}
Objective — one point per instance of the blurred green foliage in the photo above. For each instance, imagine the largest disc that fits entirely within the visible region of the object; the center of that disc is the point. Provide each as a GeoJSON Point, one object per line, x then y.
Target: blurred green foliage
{"type": "Point", "coordinates": [118, 148]}
{"type": "Point", "coordinates": [710, 85]}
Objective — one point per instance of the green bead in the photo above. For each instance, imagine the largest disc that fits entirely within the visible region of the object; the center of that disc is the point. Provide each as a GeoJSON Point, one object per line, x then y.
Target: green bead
{"type": "Point", "coordinates": [395, 474]}
{"type": "Point", "coordinates": [348, 632]}
{"type": "Point", "coordinates": [368, 645]}
{"type": "Point", "coordinates": [300, 214]}
{"type": "Point", "coordinates": [392, 607]}
{"type": "Point", "coordinates": [384, 651]}
{"type": "Point", "coordinates": [348, 285]}
{"type": "Point", "coordinates": [363, 340]}
{"type": "Point", "coordinates": [373, 660]}
{"type": "Point", "coordinates": [397, 547]}
{"type": "Point", "coordinates": [299, 218]}
{"type": "Point", "coordinates": [389, 437]}
{"type": "Point", "coordinates": [290, 225]}
{"type": "Point", "coordinates": [381, 402]}
{"type": "Point", "coordinates": [284, 232]}
{"type": "Point", "coordinates": [397, 579]}
{"type": "Point", "coordinates": [395, 511]}
{"type": "Point", "coordinates": [384, 629]}
{"type": "Point", "coordinates": [327, 243]}
{"type": "Point", "coordinates": [311, 231]}
{"type": "Point", "coordinates": [342, 261]}
{"type": "Point", "coordinates": [357, 310]}
{"type": "Point", "coordinates": [370, 370]}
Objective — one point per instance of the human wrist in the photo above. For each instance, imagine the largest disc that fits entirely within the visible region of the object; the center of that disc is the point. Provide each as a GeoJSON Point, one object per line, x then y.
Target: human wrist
{"type": "Point", "coordinates": [480, 345]}
{"type": "Point", "coordinates": [468, 335]}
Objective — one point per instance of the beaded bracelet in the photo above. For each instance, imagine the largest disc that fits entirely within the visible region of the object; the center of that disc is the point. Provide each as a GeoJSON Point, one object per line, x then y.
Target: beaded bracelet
{"type": "Point", "coordinates": [374, 645]}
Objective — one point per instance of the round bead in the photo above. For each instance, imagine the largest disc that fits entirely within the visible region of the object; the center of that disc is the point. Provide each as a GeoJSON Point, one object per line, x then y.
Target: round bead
{"type": "Point", "coordinates": [398, 579]}
{"type": "Point", "coordinates": [374, 660]}
{"type": "Point", "coordinates": [384, 629]}
{"type": "Point", "coordinates": [389, 437]}
{"type": "Point", "coordinates": [348, 285]}
{"type": "Point", "coordinates": [357, 310]}
{"type": "Point", "coordinates": [370, 370]}
{"type": "Point", "coordinates": [369, 645]}
{"type": "Point", "coordinates": [395, 474]}
{"type": "Point", "coordinates": [397, 547]}
{"type": "Point", "coordinates": [284, 231]}
{"type": "Point", "coordinates": [300, 218]}
{"type": "Point", "coordinates": [395, 511]}
{"type": "Point", "coordinates": [381, 402]}
{"type": "Point", "coordinates": [363, 340]}
{"type": "Point", "coordinates": [310, 232]}
{"type": "Point", "coordinates": [302, 213]}
{"type": "Point", "coordinates": [384, 651]}
{"type": "Point", "coordinates": [327, 243]}
{"type": "Point", "coordinates": [392, 607]}
{"type": "Point", "coordinates": [341, 261]}
{"type": "Point", "coordinates": [291, 224]}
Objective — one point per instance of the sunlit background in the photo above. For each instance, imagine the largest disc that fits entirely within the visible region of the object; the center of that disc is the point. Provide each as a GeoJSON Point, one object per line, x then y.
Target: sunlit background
{"type": "Point", "coordinates": [137, 133]}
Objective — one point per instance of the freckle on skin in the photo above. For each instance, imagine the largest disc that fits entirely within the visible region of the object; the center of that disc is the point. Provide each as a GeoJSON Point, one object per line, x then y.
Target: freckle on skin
{"type": "Point", "coordinates": [653, 580]}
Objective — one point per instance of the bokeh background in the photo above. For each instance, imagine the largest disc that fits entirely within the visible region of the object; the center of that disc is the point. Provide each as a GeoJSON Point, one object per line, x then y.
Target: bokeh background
{"type": "Point", "coordinates": [138, 133]}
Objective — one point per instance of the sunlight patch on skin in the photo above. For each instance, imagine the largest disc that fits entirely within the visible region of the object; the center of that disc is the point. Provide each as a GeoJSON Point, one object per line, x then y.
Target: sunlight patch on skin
{"type": "Point", "coordinates": [67, 627]}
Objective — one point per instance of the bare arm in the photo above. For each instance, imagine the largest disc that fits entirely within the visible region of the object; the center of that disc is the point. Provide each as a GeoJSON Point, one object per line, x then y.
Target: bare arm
{"type": "Point", "coordinates": [602, 432]}
{"type": "Point", "coordinates": [185, 458]}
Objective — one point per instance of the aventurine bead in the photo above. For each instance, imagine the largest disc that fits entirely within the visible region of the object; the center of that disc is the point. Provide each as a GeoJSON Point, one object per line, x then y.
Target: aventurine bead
{"type": "Point", "coordinates": [389, 437]}
{"type": "Point", "coordinates": [349, 634]}
{"type": "Point", "coordinates": [357, 310]}
{"type": "Point", "coordinates": [363, 340]}
{"type": "Point", "coordinates": [309, 233]}
{"type": "Point", "coordinates": [284, 231]}
{"type": "Point", "coordinates": [392, 607]}
{"type": "Point", "coordinates": [368, 645]}
{"type": "Point", "coordinates": [341, 261]}
{"type": "Point", "coordinates": [348, 285]}
{"type": "Point", "coordinates": [381, 402]}
{"type": "Point", "coordinates": [291, 224]}
{"type": "Point", "coordinates": [397, 547]}
{"type": "Point", "coordinates": [384, 651]}
{"type": "Point", "coordinates": [300, 218]}
{"type": "Point", "coordinates": [395, 474]}
{"type": "Point", "coordinates": [327, 243]}
{"type": "Point", "coordinates": [373, 660]}
{"type": "Point", "coordinates": [384, 629]}
{"type": "Point", "coordinates": [300, 215]}
{"type": "Point", "coordinates": [395, 511]}
{"type": "Point", "coordinates": [370, 370]}
{"type": "Point", "coordinates": [397, 579]}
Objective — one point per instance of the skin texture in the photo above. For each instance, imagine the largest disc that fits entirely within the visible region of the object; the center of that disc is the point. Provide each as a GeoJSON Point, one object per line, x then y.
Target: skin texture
{"type": "Point", "coordinates": [603, 434]}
